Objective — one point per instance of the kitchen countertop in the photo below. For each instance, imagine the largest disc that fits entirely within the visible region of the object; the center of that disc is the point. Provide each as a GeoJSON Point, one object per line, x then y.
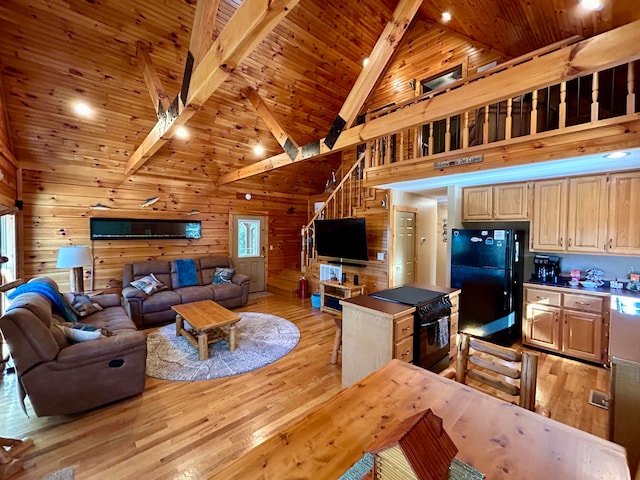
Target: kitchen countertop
{"type": "Point", "coordinates": [600, 291]}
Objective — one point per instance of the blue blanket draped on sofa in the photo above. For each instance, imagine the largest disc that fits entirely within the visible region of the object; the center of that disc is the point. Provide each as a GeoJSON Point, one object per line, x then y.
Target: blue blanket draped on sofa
{"type": "Point", "coordinates": [49, 292]}
{"type": "Point", "coordinates": [187, 274]}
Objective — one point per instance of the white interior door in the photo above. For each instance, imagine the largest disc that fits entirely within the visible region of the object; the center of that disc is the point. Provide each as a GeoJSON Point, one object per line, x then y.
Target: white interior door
{"type": "Point", "coordinates": [248, 248]}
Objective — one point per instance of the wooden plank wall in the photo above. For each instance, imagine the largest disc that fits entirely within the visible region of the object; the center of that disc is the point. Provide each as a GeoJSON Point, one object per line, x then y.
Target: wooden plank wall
{"type": "Point", "coordinates": [57, 211]}
{"type": "Point", "coordinates": [427, 49]}
{"type": "Point", "coordinates": [8, 168]}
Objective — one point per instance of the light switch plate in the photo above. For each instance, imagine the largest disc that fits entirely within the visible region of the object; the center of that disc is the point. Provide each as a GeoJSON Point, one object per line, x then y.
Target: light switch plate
{"type": "Point", "coordinates": [380, 255]}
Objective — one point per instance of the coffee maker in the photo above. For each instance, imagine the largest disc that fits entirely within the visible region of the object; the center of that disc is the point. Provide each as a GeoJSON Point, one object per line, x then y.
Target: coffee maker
{"type": "Point", "coordinates": [546, 268]}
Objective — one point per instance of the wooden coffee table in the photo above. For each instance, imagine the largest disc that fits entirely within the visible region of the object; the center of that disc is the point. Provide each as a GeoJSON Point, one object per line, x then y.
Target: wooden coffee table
{"type": "Point", "coordinates": [206, 319]}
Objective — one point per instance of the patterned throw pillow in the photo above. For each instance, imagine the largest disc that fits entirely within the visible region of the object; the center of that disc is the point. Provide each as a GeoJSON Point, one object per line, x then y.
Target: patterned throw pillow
{"type": "Point", "coordinates": [223, 275]}
{"type": "Point", "coordinates": [149, 284]}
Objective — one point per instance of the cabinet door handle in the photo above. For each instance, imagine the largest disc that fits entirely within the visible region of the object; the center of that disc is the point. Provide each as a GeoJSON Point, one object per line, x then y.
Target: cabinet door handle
{"type": "Point", "coordinates": [560, 241]}
{"type": "Point", "coordinates": [586, 304]}
{"type": "Point", "coordinates": [569, 241]}
{"type": "Point", "coordinates": [542, 298]}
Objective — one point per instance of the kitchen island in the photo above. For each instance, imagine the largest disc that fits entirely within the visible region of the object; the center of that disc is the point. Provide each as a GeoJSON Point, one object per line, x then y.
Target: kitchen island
{"type": "Point", "coordinates": [374, 331]}
{"type": "Point", "coordinates": [501, 440]}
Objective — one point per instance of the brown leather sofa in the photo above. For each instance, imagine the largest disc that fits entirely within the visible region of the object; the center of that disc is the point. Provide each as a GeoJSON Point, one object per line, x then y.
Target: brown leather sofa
{"type": "Point", "coordinates": [148, 310]}
{"type": "Point", "coordinates": [61, 377]}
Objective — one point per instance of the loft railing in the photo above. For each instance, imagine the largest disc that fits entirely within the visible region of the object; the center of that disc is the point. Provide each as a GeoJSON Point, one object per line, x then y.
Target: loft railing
{"type": "Point", "coordinates": [601, 95]}
{"type": "Point", "coordinates": [346, 197]}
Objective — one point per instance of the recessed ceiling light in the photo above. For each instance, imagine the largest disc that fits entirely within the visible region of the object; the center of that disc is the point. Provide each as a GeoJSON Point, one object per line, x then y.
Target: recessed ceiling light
{"type": "Point", "coordinates": [614, 155]}
{"type": "Point", "coordinates": [365, 62]}
{"type": "Point", "coordinates": [446, 16]}
{"type": "Point", "coordinates": [82, 109]}
{"type": "Point", "coordinates": [592, 4]}
{"type": "Point", "coordinates": [258, 149]}
{"type": "Point", "coordinates": [182, 132]}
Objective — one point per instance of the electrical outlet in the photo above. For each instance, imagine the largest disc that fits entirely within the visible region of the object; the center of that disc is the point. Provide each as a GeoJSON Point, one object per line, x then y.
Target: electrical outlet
{"type": "Point", "coordinates": [270, 247]}
{"type": "Point", "coordinates": [380, 255]}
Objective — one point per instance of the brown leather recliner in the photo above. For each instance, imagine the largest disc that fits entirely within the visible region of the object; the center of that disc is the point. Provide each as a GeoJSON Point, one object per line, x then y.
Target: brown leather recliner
{"type": "Point", "coordinates": [61, 377]}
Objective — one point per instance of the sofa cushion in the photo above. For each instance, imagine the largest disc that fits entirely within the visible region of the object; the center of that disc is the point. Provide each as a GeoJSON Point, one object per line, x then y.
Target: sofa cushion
{"type": "Point", "coordinates": [184, 273]}
{"type": "Point", "coordinates": [195, 293]}
{"type": "Point", "coordinates": [161, 301]}
{"type": "Point", "coordinates": [224, 291]}
{"type": "Point", "coordinates": [149, 284]}
{"type": "Point", "coordinates": [36, 304]}
{"type": "Point", "coordinates": [113, 319]}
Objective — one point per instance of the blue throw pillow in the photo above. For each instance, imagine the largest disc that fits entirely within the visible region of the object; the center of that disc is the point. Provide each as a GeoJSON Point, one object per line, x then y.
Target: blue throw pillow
{"type": "Point", "coordinates": [186, 273]}
{"type": "Point", "coordinates": [223, 275]}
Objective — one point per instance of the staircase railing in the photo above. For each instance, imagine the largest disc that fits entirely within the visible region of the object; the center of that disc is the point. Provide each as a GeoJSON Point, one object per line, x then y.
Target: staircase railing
{"type": "Point", "coordinates": [349, 195]}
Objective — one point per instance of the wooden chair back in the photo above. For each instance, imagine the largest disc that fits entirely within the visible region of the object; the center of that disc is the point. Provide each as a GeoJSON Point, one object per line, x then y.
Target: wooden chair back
{"type": "Point", "coordinates": [508, 370]}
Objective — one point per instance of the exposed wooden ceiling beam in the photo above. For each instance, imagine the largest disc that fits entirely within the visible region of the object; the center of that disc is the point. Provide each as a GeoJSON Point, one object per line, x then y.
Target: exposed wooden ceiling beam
{"type": "Point", "coordinates": [289, 145]}
{"type": "Point", "coordinates": [249, 25]}
{"type": "Point", "coordinates": [204, 25]}
{"type": "Point", "coordinates": [380, 55]}
{"type": "Point", "coordinates": [157, 92]}
{"type": "Point", "coordinates": [606, 50]}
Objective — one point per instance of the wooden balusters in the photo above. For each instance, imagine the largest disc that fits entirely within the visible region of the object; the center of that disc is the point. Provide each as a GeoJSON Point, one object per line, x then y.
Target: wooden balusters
{"type": "Point", "coordinates": [465, 130]}
{"type": "Point", "coordinates": [485, 125]}
{"type": "Point", "coordinates": [509, 121]}
{"type": "Point", "coordinates": [562, 110]}
{"type": "Point", "coordinates": [430, 142]}
{"type": "Point", "coordinates": [594, 98]}
{"type": "Point", "coordinates": [631, 95]}
{"type": "Point", "coordinates": [534, 112]}
{"type": "Point", "coordinates": [447, 135]}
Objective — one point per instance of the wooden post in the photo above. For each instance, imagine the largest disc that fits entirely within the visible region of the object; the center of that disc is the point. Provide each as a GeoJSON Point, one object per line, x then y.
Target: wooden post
{"type": "Point", "coordinates": [594, 98]}
{"type": "Point", "coordinates": [631, 95]}
{"type": "Point", "coordinates": [447, 135]}
{"type": "Point", "coordinates": [465, 129]}
{"type": "Point", "coordinates": [485, 126]}
{"type": "Point", "coordinates": [430, 143]}
{"type": "Point", "coordinates": [534, 112]}
{"type": "Point", "coordinates": [462, 358]}
{"type": "Point", "coordinates": [562, 120]}
{"type": "Point", "coordinates": [509, 121]}
{"type": "Point", "coordinates": [417, 148]}
{"type": "Point", "coordinates": [529, 380]}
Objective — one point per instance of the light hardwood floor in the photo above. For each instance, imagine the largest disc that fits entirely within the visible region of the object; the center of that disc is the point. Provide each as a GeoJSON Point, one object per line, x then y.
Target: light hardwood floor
{"type": "Point", "coordinates": [186, 430]}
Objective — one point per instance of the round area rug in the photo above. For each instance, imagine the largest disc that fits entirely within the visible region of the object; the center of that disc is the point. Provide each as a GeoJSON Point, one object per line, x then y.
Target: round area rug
{"type": "Point", "coordinates": [262, 339]}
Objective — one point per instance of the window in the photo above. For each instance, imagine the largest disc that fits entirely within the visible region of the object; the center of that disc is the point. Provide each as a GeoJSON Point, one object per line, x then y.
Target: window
{"type": "Point", "coordinates": [8, 269]}
{"type": "Point", "coordinates": [248, 238]}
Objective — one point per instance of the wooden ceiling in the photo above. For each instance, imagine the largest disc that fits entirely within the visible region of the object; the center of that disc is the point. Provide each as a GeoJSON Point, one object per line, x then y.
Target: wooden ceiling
{"type": "Point", "coordinates": [56, 52]}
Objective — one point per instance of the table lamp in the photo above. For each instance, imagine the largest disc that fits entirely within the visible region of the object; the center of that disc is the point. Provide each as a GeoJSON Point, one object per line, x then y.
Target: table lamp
{"type": "Point", "coordinates": [74, 258]}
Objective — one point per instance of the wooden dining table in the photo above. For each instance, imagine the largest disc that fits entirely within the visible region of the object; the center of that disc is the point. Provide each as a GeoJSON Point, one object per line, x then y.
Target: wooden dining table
{"type": "Point", "coordinates": [499, 439]}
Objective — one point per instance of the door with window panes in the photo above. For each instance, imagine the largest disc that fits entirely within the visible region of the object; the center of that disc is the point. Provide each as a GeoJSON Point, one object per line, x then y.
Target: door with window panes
{"type": "Point", "coordinates": [248, 248]}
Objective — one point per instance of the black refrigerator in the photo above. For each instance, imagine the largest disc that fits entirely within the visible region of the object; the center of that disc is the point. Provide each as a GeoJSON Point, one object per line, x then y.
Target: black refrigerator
{"type": "Point", "coordinates": [488, 266]}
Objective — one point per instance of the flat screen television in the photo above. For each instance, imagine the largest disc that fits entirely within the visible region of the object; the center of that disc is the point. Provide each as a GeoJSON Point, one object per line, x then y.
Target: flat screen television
{"type": "Point", "coordinates": [344, 238]}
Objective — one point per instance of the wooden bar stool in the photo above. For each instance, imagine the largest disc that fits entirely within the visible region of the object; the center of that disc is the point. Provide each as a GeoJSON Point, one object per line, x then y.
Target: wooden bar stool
{"type": "Point", "coordinates": [337, 342]}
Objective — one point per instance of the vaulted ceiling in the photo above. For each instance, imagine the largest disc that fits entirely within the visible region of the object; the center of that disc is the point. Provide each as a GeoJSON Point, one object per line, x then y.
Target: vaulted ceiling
{"type": "Point", "coordinates": [56, 52]}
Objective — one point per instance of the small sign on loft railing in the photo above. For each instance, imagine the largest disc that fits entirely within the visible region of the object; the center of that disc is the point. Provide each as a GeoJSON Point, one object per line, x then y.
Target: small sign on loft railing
{"type": "Point", "coordinates": [458, 161]}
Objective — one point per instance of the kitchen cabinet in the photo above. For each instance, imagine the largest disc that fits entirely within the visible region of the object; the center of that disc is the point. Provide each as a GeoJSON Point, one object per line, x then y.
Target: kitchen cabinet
{"type": "Point", "coordinates": [548, 226]}
{"type": "Point", "coordinates": [624, 214]}
{"type": "Point", "coordinates": [376, 331]}
{"type": "Point", "coordinates": [570, 215]}
{"type": "Point", "coordinates": [496, 202]}
{"type": "Point", "coordinates": [331, 292]}
{"type": "Point", "coordinates": [567, 321]}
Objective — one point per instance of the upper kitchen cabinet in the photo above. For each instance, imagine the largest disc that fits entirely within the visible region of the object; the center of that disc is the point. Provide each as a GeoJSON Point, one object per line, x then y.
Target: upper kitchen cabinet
{"type": "Point", "coordinates": [549, 223]}
{"type": "Point", "coordinates": [624, 213]}
{"type": "Point", "coordinates": [570, 215]}
{"type": "Point", "coordinates": [587, 214]}
{"type": "Point", "coordinates": [497, 202]}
